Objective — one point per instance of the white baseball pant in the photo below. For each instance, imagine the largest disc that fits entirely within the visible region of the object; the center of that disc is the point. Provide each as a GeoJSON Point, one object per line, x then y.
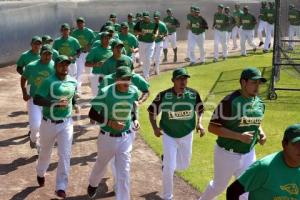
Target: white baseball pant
{"type": "Point", "coordinates": [157, 55]}
{"type": "Point", "coordinates": [80, 62]}
{"type": "Point", "coordinates": [95, 83]}
{"type": "Point", "coordinates": [270, 33]}
{"type": "Point", "coordinates": [227, 164]}
{"type": "Point", "coordinates": [146, 52]}
{"type": "Point", "coordinates": [220, 37]}
{"type": "Point", "coordinates": [189, 44]}
{"type": "Point", "coordinates": [120, 148]}
{"type": "Point", "coordinates": [73, 70]}
{"type": "Point", "coordinates": [293, 31]}
{"type": "Point", "coordinates": [177, 156]}
{"type": "Point", "coordinates": [236, 32]}
{"type": "Point", "coordinates": [63, 134]}
{"type": "Point", "coordinates": [246, 35]}
{"type": "Point", "coordinates": [262, 26]}
{"type": "Point", "coordinates": [35, 118]}
{"type": "Point", "coordinates": [199, 41]}
{"type": "Point", "coordinates": [170, 39]}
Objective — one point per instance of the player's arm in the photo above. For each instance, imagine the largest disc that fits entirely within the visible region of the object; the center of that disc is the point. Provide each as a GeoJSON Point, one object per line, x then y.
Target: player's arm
{"type": "Point", "coordinates": [137, 29]}
{"type": "Point", "coordinates": [153, 110]}
{"type": "Point", "coordinates": [144, 96]}
{"type": "Point", "coordinates": [90, 60]}
{"type": "Point", "coordinates": [204, 23]}
{"type": "Point", "coordinates": [23, 82]}
{"type": "Point", "coordinates": [199, 108]}
{"type": "Point", "coordinates": [214, 23]}
{"type": "Point", "coordinates": [177, 23]}
{"type": "Point", "coordinates": [234, 191]}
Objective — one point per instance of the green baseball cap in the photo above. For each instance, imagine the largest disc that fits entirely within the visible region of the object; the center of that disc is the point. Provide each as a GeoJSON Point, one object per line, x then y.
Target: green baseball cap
{"type": "Point", "coordinates": [47, 38]}
{"type": "Point", "coordinates": [246, 8]}
{"type": "Point", "coordinates": [138, 14]}
{"type": "Point", "coordinates": [113, 15]}
{"type": "Point", "coordinates": [146, 14]}
{"type": "Point", "coordinates": [62, 58]}
{"type": "Point", "coordinates": [292, 133]}
{"type": "Point", "coordinates": [117, 42]}
{"type": "Point", "coordinates": [227, 8]}
{"type": "Point", "coordinates": [80, 19]}
{"type": "Point", "coordinates": [110, 29]}
{"type": "Point", "coordinates": [46, 48]}
{"type": "Point", "coordinates": [65, 26]}
{"type": "Point", "coordinates": [36, 39]}
{"type": "Point", "coordinates": [156, 14]}
{"type": "Point", "coordinates": [124, 25]}
{"type": "Point", "coordinates": [221, 6]}
{"type": "Point", "coordinates": [123, 72]}
{"type": "Point", "coordinates": [169, 10]}
{"type": "Point", "coordinates": [179, 72]}
{"type": "Point", "coordinates": [130, 15]}
{"type": "Point", "coordinates": [192, 8]}
{"type": "Point", "coordinates": [104, 34]}
{"type": "Point", "coordinates": [197, 9]}
{"type": "Point", "coordinates": [252, 73]}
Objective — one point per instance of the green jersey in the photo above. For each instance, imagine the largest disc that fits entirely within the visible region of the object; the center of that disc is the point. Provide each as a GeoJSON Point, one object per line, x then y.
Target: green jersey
{"type": "Point", "coordinates": [35, 73]}
{"type": "Point", "coordinates": [221, 21]}
{"type": "Point", "coordinates": [231, 23]}
{"type": "Point", "coordinates": [148, 30]}
{"type": "Point", "coordinates": [239, 114]}
{"type": "Point", "coordinates": [270, 178]}
{"type": "Point", "coordinates": [117, 27]}
{"type": "Point", "coordinates": [115, 106]}
{"type": "Point", "coordinates": [131, 27]}
{"type": "Point", "coordinates": [162, 31]}
{"type": "Point", "coordinates": [85, 37]}
{"type": "Point", "coordinates": [198, 24]}
{"type": "Point", "coordinates": [248, 22]}
{"type": "Point", "coordinates": [136, 80]}
{"type": "Point", "coordinates": [263, 14]}
{"type": "Point", "coordinates": [178, 117]}
{"type": "Point", "coordinates": [237, 17]}
{"type": "Point", "coordinates": [294, 17]}
{"type": "Point", "coordinates": [130, 41]}
{"type": "Point", "coordinates": [54, 89]}
{"type": "Point", "coordinates": [27, 57]}
{"type": "Point", "coordinates": [111, 64]}
{"type": "Point", "coordinates": [67, 46]}
{"type": "Point", "coordinates": [271, 16]}
{"type": "Point", "coordinates": [98, 54]}
{"type": "Point", "coordinates": [55, 54]}
{"type": "Point", "coordinates": [172, 23]}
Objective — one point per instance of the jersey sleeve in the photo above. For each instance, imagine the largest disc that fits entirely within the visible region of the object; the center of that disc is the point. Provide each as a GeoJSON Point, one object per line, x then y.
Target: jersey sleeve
{"type": "Point", "coordinates": [44, 89]}
{"type": "Point", "coordinates": [77, 46]}
{"type": "Point", "coordinates": [26, 72]}
{"type": "Point", "coordinates": [135, 42]}
{"type": "Point", "coordinates": [199, 107]}
{"type": "Point", "coordinates": [91, 37]}
{"type": "Point", "coordinates": [20, 62]}
{"type": "Point", "coordinates": [90, 56]}
{"type": "Point", "coordinates": [222, 112]}
{"type": "Point", "coordinates": [98, 103]}
{"type": "Point", "coordinates": [105, 68]}
{"type": "Point", "coordinates": [141, 83]}
{"type": "Point", "coordinates": [254, 177]}
{"type": "Point", "coordinates": [55, 45]}
{"type": "Point", "coordinates": [155, 107]}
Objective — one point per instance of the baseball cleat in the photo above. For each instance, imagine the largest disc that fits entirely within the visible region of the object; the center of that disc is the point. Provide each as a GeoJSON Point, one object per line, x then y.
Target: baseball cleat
{"type": "Point", "coordinates": [92, 191]}
{"type": "Point", "coordinates": [254, 49]}
{"type": "Point", "coordinates": [187, 60]}
{"type": "Point", "coordinates": [265, 51]}
{"type": "Point", "coordinates": [260, 44]}
{"type": "Point", "coordinates": [192, 64]}
{"type": "Point", "coordinates": [32, 144]}
{"type": "Point", "coordinates": [215, 60]}
{"type": "Point", "coordinates": [41, 181]}
{"type": "Point", "coordinates": [61, 194]}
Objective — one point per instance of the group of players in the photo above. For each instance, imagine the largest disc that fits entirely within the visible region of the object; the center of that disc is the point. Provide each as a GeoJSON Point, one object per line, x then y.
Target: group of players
{"type": "Point", "coordinates": [51, 78]}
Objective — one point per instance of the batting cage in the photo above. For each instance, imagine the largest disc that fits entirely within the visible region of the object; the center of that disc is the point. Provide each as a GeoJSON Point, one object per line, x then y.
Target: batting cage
{"type": "Point", "coordinates": [286, 54]}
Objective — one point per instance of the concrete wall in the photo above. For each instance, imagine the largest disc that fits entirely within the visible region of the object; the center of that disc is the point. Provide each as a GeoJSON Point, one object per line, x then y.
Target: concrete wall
{"type": "Point", "coordinates": [21, 20]}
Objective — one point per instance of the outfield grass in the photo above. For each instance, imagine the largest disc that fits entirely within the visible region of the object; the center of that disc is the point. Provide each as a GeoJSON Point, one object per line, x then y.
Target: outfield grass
{"type": "Point", "coordinates": [279, 114]}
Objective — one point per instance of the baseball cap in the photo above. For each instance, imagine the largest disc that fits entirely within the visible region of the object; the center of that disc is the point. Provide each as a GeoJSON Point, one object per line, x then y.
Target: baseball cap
{"type": "Point", "coordinates": [80, 19]}
{"type": "Point", "coordinates": [65, 26]}
{"type": "Point", "coordinates": [36, 39]}
{"type": "Point", "coordinates": [124, 25]}
{"type": "Point", "coordinates": [156, 14]}
{"type": "Point", "coordinates": [291, 6]}
{"type": "Point", "coordinates": [292, 133]}
{"type": "Point", "coordinates": [197, 9]}
{"type": "Point", "coordinates": [246, 8]}
{"type": "Point", "coordinates": [113, 15]}
{"type": "Point", "coordinates": [46, 38]}
{"type": "Point", "coordinates": [104, 34]}
{"type": "Point", "coordinates": [169, 10]}
{"type": "Point", "coordinates": [227, 8]}
{"type": "Point", "coordinates": [179, 72]}
{"type": "Point", "coordinates": [138, 14]}
{"type": "Point", "coordinates": [192, 8]}
{"type": "Point", "coordinates": [252, 73]}
{"type": "Point", "coordinates": [123, 72]}
{"type": "Point", "coordinates": [62, 58]}
{"type": "Point", "coordinates": [46, 48]}
{"type": "Point", "coordinates": [117, 42]}
{"type": "Point", "coordinates": [130, 15]}
{"type": "Point", "coordinates": [146, 14]}
{"type": "Point", "coordinates": [221, 6]}
{"type": "Point", "coordinates": [109, 29]}
{"type": "Point", "coordinates": [108, 23]}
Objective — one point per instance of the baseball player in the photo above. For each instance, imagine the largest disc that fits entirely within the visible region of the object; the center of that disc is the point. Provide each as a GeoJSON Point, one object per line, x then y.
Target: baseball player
{"type": "Point", "coordinates": [113, 18]}
{"type": "Point", "coordinates": [197, 26]}
{"type": "Point", "coordinates": [69, 46]}
{"type": "Point", "coordinates": [85, 37]}
{"type": "Point", "coordinates": [262, 26]}
{"type": "Point", "coordinates": [47, 40]}
{"type": "Point", "coordinates": [162, 33]}
{"type": "Point", "coordinates": [248, 22]}
{"type": "Point", "coordinates": [131, 23]}
{"type": "Point", "coordinates": [231, 22]}
{"type": "Point", "coordinates": [108, 23]}
{"type": "Point", "coordinates": [178, 106]}
{"type": "Point", "coordinates": [236, 31]}
{"type": "Point", "coordinates": [189, 16]}
{"type": "Point", "coordinates": [138, 17]}
{"type": "Point", "coordinates": [30, 55]}
{"type": "Point", "coordinates": [129, 40]}
{"type": "Point", "coordinates": [220, 34]}
{"type": "Point", "coordinates": [112, 108]}
{"type": "Point", "coordinates": [56, 96]}
{"type": "Point", "coordinates": [237, 123]}
{"type": "Point", "coordinates": [147, 31]}
{"type": "Point", "coordinates": [95, 59]}
{"type": "Point", "coordinates": [172, 24]}
{"type": "Point", "coordinates": [276, 176]}
{"type": "Point", "coordinates": [270, 26]}
{"type": "Point", "coordinates": [294, 24]}
{"type": "Point", "coordinates": [32, 77]}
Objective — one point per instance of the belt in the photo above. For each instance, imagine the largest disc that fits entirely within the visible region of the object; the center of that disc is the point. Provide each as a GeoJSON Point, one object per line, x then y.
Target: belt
{"type": "Point", "coordinates": [115, 135]}
{"type": "Point", "coordinates": [53, 121]}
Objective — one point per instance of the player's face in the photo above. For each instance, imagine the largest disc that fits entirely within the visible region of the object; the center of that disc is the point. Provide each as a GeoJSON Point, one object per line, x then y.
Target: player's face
{"type": "Point", "coordinates": [129, 19]}
{"type": "Point", "coordinates": [237, 7]}
{"type": "Point", "coordinates": [62, 68]}
{"type": "Point", "coordinates": [180, 83]}
{"type": "Point", "coordinates": [105, 41]}
{"type": "Point", "coordinates": [46, 57]}
{"type": "Point", "coordinates": [65, 32]}
{"type": "Point", "coordinates": [80, 24]}
{"type": "Point", "coordinates": [220, 10]}
{"type": "Point", "coordinates": [123, 84]}
{"type": "Point", "coordinates": [245, 11]}
{"type": "Point", "coordinates": [169, 13]}
{"type": "Point", "coordinates": [147, 19]}
{"type": "Point", "coordinates": [156, 19]}
{"type": "Point", "coordinates": [124, 30]}
{"type": "Point", "coordinates": [36, 46]}
{"type": "Point", "coordinates": [292, 153]}
{"type": "Point", "coordinates": [113, 20]}
{"type": "Point", "coordinates": [117, 51]}
{"type": "Point", "coordinates": [251, 87]}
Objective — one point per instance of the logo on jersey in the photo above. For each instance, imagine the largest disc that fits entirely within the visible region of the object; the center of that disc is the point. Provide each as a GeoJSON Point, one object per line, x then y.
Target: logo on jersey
{"type": "Point", "coordinates": [147, 31]}
{"type": "Point", "coordinates": [245, 21]}
{"type": "Point", "coordinates": [250, 121]}
{"type": "Point", "coordinates": [292, 188]}
{"type": "Point", "coordinates": [180, 115]}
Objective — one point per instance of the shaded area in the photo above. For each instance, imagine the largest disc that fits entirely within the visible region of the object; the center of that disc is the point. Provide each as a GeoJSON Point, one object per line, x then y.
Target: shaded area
{"type": "Point", "coordinates": [24, 193]}
{"type": "Point", "coordinates": [14, 165]}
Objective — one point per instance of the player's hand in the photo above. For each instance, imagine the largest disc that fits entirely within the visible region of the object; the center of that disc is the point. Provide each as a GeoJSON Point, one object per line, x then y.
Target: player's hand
{"type": "Point", "coordinates": [246, 137]}
{"type": "Point", "coordinates": [117, 125]}
{"type": "Point", "coordinates": [136, 125]}
{"type": "Point", "coordinates": [26, 97]}
{"type": "Point", "coordinates": [62, 103]}
{"type": "Point", "coordinates": [157, 132]}
{"type": "Point", "coordinates": [262, 139]}
{"type": "Point", "coordinates": [200, 128]}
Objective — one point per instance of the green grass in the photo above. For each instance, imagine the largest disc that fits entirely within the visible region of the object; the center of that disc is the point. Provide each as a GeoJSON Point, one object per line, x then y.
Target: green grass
{"type": "Point", "coordinates": [279, 114]}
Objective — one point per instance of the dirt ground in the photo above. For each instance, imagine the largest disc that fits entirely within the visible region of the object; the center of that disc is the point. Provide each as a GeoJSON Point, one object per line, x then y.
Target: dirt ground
{"type": "Point", "coordinates": [18, 161]}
